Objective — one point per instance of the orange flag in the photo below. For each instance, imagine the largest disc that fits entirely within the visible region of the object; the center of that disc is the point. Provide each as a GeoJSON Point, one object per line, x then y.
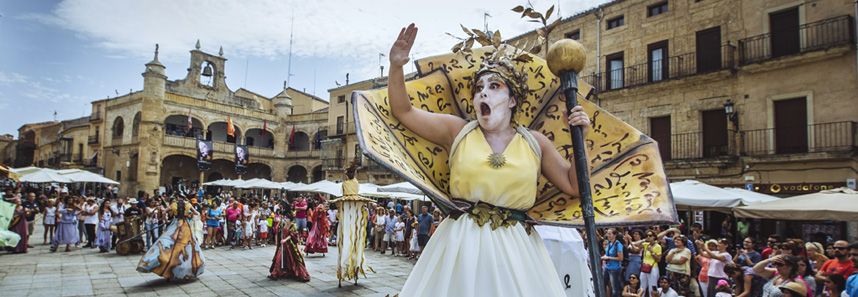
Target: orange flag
{"type": "Point", "coordinates": [230, 129]}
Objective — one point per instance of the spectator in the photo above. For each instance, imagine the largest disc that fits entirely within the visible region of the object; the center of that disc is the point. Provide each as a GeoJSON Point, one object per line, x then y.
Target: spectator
{"type": "Point", "coordinates": [773, 240]}
{"type": "Point", "coordinates": [747, 255]}
{"type": "Point", "coordinates": [613, 260]}
{"type": "Point", "coordinates": [103, 234]}
{"type": "Point", "coordinates": [634, 264]}
{"type": "Point", "coordinates": [722, 289]}
{"type": "Point", "coordinates": [746, 283]}
{"type": "Point", "coordinates": [399, 236]}
{"type": "Point", "coordinates": [31, 208]}
{"type": "Point", "coordinates": [717, 260]}
{"type": "Point", "coordinates": [389, 225]}
{"type": "Point", "coordinates": [703, 274]}
{"type": "Point", "coordinates": [805, 272]}
{"type": "Point", "coordinates": [814, 254]}
{"type": "Point", "coordinates": [851, 288]}
{"type": "Point", "coordinates": [793, 289]}
{"type": "Point", "coordinates": [664, 289]}
{"type": "Point", "coordinates": [49, 220]}
{"type": "Point", "coordinates": [633, 287]}
{"type": "Point", "coordinates": [679, 266]}
{"type": "Point", "coordinates": [424, 224]}
{"type": "Point", "coordinates": [841, 264]}
{"type": "Point", "coordinates": [90, 218]}
{"type": "Point", "coordinates": [785, 270]}
{"type": "Point", "coordinates": [651, 256]}
{"type": "Point", "coordinates": [380, 215]}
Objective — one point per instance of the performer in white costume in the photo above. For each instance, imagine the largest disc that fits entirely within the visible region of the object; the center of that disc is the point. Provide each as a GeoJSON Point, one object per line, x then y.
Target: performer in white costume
{"type": "Point", "coordinates": [494, 167]}
{"type": "Point", "coordinates": [351, 233]}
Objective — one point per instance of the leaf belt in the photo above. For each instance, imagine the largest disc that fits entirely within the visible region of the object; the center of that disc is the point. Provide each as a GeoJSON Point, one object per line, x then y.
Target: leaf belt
{"type": "Point", "coordinates": [483, 213]}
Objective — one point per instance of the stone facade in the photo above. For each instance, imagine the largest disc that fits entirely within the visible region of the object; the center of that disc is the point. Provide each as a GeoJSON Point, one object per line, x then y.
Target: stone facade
{"type": "Point", "coordinates": [142, 139]}
{"type": "Point", "coordinates": [720, 51]}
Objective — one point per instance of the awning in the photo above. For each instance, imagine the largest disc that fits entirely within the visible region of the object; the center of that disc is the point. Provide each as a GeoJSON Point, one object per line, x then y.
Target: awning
{"type": "Point", "coordinates": [830, 205]}
{"type": "Point", "coordinates": [692, 194]}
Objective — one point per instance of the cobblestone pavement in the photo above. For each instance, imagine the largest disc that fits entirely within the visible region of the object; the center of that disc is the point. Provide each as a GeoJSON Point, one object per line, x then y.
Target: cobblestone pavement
{"type": "Point", "coordinates": [85, 272]}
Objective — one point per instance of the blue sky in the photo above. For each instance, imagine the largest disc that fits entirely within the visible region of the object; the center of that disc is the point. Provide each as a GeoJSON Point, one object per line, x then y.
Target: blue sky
{"type": "Point", "coordinates": [61, 55]}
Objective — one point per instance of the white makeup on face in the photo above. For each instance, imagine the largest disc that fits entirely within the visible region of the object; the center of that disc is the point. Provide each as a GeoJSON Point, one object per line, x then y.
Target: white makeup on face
{"type": "Point", "coordinates": [492, 102]}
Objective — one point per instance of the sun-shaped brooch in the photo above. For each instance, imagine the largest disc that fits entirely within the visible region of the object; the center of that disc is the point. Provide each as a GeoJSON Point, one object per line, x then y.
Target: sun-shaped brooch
{"type": "Point", "coordinates": [497, 160]}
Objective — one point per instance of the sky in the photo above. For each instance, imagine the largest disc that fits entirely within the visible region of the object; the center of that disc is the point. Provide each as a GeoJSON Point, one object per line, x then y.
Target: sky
{"type": "Point", "coordinates": [58, 56]}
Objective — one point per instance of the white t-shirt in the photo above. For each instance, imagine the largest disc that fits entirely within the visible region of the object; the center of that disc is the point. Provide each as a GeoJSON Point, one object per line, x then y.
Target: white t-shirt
{"type": "Point", "coordinates": [91, 219]}
{"type": "Point", "coordinates": [120, 213]}
{"type": "Point", "coordinates": [670, 292]}
{"type": "Point", "coordinates": [716, 267]}
{"type": "Point", "coordinates": [263, 226]}
{"type": "Point", "coordinates": [400, 230]}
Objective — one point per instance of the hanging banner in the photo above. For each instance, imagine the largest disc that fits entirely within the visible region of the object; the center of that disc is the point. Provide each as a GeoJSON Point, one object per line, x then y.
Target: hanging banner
{"type": "Point", "coordinates": [242, 158]}
{"type": "Point", "coordinates": [205, 152]}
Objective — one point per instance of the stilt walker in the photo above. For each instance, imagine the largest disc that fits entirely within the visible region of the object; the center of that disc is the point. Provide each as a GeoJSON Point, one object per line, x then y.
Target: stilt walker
{"type": "Point", "coordinates": [351, 233]}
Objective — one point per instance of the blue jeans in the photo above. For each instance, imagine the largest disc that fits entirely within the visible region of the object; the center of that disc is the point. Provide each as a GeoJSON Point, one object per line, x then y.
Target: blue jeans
{"type": "Point", "coordinates": [301, 224]}
{"type": "Point", "coordinates": [616, 281]}
{"type": "Point", "coordinates": [151, 234]}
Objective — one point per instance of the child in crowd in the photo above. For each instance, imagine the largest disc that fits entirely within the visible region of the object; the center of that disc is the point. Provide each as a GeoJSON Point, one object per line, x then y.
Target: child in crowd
{"type": "Point", "coordinates": [722, 289]}
{"type": "Point", "coordinates": [248, 232]}
{"type": "Point", "coordinates": [237, 234]}
{"type": "Point", "coordinates": [399, 237]}
{"type": "Point", "coordinates": [263, 231]}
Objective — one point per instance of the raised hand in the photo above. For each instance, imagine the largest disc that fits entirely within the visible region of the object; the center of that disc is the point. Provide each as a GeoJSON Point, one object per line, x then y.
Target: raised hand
{"type": "Point", "coordinates": [577, 117]}
{"type": "Point", "coordinates": [401, 49]}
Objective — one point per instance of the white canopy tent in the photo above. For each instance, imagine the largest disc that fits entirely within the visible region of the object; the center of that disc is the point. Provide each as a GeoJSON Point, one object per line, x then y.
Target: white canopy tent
{"type": "Point", "coordinates": [322, 186]}
{"type": "Point", "coordinates": [695, 195]}
{"type": "Point", "coordinates": [836, 205]}
{"type": "Point", "coordinates": [44, 175]}
{"type": "Point", "coordinates": [403, 187]}
{"type": "Point", "coordinates": [83, 176]}
{"type": "Point", "coordinates": [218, 183]}
{"type": "Point", "coordinates": [259, 183]}
{"type": "Point", "coordinates": [751, 197]}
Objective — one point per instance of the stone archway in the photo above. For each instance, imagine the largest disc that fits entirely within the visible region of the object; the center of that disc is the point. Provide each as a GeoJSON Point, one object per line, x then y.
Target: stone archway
{"type": "Point", "coordinates": [297, 174]}
{"type": "Point", "coordinates": [178, 167]}
{"type": "Point", "coordinates": [213, 176]}
{"type": "Point", "coordinates": [257, 170]}
{"type": "Point", "coordinates": [318, 174]}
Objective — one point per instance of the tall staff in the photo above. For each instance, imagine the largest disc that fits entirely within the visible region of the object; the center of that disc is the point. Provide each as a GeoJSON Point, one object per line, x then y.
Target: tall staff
{"type": "Point", "coordinates": [566, 58]}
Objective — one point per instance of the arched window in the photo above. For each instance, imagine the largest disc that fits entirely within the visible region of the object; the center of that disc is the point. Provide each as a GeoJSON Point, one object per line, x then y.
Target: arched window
{"type": "Point", "coordinates": [135, 125]}
{"type": "Point", "coordinates": [118, 128]}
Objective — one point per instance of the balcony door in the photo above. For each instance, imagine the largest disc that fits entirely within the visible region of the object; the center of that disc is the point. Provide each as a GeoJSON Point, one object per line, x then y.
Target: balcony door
{"type": "Point", "coordinates": [784, 29]}
{"type": "Point", "coordinates": [715, 141]}
{"type": "Point", "coordinates": [791, 126]}
{"type": "Point", "coordinates": [657, 61]}
{"type": "Point", "coordinates": [614, 64]}
{"type": "Point", "coordinates": [659, 130]}
{"type": "Point", "coordinates": [708, 51]}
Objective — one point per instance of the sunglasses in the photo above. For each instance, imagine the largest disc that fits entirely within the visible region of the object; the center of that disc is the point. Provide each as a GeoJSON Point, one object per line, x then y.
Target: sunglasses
{"type": "Point", "coordinates": [840, 248]}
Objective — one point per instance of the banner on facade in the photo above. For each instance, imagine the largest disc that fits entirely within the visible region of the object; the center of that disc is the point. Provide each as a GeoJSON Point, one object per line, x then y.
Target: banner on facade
{"type": "Point", "coordinates": [242, 158]}
{"type": "Point", "coordinates": [205, 152]}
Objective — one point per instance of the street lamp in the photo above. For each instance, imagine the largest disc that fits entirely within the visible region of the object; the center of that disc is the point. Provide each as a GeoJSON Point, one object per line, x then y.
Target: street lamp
{"type": "Point", "coordinates": [731, 113]}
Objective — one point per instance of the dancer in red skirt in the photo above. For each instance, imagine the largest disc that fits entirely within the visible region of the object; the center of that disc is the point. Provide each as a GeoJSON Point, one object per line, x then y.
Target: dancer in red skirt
{"type": "Point", "coordinates": [288, 261]}
{"type": "Point", "coordinates": [317, 241]}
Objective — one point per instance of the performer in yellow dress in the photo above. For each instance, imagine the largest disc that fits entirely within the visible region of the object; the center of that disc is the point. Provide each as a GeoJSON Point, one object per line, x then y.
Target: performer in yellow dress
{"type": "Point", "coordinates": [488, 250]}
{"type": "Point", "coordinates": [177, 254]}
{"type": "Point", "coordinates": [351, 232]}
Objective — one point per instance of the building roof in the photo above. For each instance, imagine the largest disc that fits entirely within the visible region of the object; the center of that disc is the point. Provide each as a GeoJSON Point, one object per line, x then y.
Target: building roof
{"type": "Point", "coordinates": [251, 92]}
{"type": "Point", "coordinates": [306, 94]}
{"type": "Point", "coordinates": [573, 17]}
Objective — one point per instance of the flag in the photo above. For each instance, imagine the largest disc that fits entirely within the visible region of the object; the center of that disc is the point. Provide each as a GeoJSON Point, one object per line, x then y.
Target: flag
{"type": "Point", "coordinates": [230, 129]}
{"type": "Point", "coordinates": [292, 135]}
{"type": "Point", "coordinates": [265, 125]}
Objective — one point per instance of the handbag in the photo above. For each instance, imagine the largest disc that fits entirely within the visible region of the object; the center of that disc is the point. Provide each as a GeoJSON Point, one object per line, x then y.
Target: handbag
{"type": "Point", "coordinates": [646, 268]}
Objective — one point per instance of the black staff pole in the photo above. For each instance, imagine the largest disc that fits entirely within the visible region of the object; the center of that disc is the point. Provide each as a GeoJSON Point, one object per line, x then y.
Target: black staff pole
{"type": "Point", "coordinates": [565, 59]}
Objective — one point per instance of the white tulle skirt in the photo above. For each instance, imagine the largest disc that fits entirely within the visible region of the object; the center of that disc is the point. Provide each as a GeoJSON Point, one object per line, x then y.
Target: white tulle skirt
{"type": "Point", "coordinates": [464, 259]}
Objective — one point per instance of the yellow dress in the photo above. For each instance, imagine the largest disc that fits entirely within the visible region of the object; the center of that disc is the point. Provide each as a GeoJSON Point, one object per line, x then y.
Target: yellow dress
{"type": "Point", "coordinates": [464, 258]}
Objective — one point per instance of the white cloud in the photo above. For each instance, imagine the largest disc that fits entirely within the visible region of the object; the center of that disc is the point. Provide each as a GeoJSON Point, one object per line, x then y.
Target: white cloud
{"type": "Point", "coordinates": [355, 31]}
{"type": "Point", "coordinates": [40, 90]}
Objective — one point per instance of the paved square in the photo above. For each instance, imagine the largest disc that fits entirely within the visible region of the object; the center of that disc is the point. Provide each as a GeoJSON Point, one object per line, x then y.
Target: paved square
{"type": "Point", "coordinates": [85, 272]}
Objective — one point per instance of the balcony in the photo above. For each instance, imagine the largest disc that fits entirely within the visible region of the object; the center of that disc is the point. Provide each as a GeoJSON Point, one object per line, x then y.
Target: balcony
{"type": "Point", "coordinates": [824, 137]}
{"type": "Point", "coordinates": [674, 67]}
{"type": "Point", "coordinates": [257, 151]}
{"type": "Point", "coordinates": [700, 145]}
{"type": "Point", "coordinates": [821, 35]}
{"type": "Point", "coordinates": [96, 117]}
{"type": "Point", "coordinates": [93, 139]}
{"type": "Point", "coordinates": [333, 164]}
{"type": "Point", "coordinates": [226, 148]}
{"type": "Point", "coordinates": [314, 154]}
{"type": "Point", "coordinates": [341, 129]}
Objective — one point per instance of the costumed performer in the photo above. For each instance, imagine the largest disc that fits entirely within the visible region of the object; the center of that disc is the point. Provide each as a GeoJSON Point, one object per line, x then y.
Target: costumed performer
{"type": "Point", "coordinates": [7, 238]}
{"type": "Point", "coordinates": [317, 241]}
{"type": "Point", "coordinates": [177, 254]}
{"type": "Point", "coordinates": [288, 261]}
{"type": "Point", "coordinates": [494, 167]}
{"type": "Point", "coordinates": [19, 226]}
{"type": "Point", "coordinates": [353, 217]}
{"type": "Point", "coordinates": [67, 223]}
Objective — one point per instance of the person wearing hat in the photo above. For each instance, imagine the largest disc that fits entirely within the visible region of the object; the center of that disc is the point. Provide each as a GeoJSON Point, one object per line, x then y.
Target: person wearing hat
{"type": "Point", "coordinates": [793, 289]}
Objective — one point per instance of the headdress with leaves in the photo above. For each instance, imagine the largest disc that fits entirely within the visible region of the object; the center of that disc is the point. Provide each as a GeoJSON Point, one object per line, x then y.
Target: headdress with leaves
{"type": "Point", "coordinates": [503, 59]}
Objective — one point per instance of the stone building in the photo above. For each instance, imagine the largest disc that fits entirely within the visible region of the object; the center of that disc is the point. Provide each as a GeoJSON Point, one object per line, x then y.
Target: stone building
{"type": "Point", "coordinates": [7, 149]}
{"type": "Point", "coordinates": [143, 139]}
{"type": "Point", "coordinates": [737, 93]}
{"type": "Point", "coordinates": [56, 144]}
{"type": "Point", "coordinates": [757, 94]}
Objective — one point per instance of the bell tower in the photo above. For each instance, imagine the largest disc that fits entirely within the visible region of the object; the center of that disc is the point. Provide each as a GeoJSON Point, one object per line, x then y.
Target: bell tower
{"type": "Point", "coordinates": [207, 70]}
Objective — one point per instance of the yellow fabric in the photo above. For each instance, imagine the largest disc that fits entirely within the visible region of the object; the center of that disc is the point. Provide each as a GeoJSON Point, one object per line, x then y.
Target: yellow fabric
{"type": "Point", "coordinates": [473, 179]}
{"type": "Point", "coordinates": [647, 256]}
{"type": "Point", "coordinates": [351, 187]}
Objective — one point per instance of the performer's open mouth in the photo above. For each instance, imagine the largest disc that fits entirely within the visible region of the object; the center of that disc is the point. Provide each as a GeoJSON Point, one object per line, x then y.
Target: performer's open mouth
{"type": "Point", "coordinates": [485, 110]}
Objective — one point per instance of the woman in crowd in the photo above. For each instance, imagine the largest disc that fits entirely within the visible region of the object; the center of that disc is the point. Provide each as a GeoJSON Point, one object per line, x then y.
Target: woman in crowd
{"type": "Point", "coordinates": [213, 217]}
{"type": "Point", "coordinates": [153, 219]}
{"type": "Point", "coordinates": [792, 289]}
{"type": "Point", "coordinates": [834, 285]}
{"type": "Point", "coordinates": [815, 254]}
{"type": "Point", "coordinates": [67, 231]}
{"type": "Point", "coordinates": [378, 229]}
{"type": "Point", "coordinates": [717, 260]}
{"type": "Point", "coordinates": [806, 273]}
{"type": "Point", "coordinates": [317, 240]}
{"type": "Point", "coordinates": [785, 270]}
{"type": "Point", "coordinates": [633, 287]}
{"type": "Point", "coordinates": [103, 234]}
{"type": "Point", "coordinates": [49, 220]}
{"type": "Point", "coordinates": [19, 226]}
{"type": "Point", "coordinates": [651, 251]}
{"type": "Point", "coordinates": [288, 261]}
{"type": "Point", "coordinates": [679, 266]}
{"type": "Point", "coordinates": [703, 275]}
{"type": "Point", "coordinates": [746, 283]}
{"type": "Point", "coordinates": [634, 265]}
